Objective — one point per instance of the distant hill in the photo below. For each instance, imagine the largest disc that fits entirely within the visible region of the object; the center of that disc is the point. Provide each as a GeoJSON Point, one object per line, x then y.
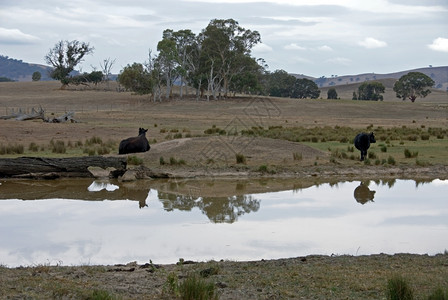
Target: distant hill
{"type": "Point", "coordinates": [438, 74]}
{"type": "Point", "coordinates": [21, 71]}
{"type": "Point", "coordinates": [18, 70]}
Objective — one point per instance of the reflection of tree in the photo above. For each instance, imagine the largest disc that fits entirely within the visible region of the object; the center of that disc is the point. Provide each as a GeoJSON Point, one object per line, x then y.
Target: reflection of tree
{"type": "Point", "coordinates": [363, 194]}
{"type": "Point", "coordinates": [217, 209]}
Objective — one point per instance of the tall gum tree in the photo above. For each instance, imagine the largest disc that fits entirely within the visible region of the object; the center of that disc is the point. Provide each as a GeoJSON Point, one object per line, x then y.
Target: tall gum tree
{"type": "Point", "coordinates": [413, 85]}
{"type": "Point", "coordinates": [224, 42]}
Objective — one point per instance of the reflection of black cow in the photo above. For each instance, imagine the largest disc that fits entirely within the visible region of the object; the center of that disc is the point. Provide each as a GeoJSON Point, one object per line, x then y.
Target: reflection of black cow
{"type": "Point", "coordinates": [135, 144]}
{"type": "Point", "coordinates": [362, 143]}
{"type": "Point", "coordinates": [363, 194]}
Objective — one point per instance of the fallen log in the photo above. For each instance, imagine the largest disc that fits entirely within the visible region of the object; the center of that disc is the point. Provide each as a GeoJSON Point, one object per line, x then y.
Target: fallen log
{"type": "Point", "coordinates": [50, 168]}
{"type": "Point", "coordinates": [22, 116]}
{"type": "Point", "coordinates": [69, 116]}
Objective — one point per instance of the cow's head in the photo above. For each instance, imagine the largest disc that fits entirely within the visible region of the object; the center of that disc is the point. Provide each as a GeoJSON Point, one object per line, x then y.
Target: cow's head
{"type": "Point", "coordinates": [372, 138]}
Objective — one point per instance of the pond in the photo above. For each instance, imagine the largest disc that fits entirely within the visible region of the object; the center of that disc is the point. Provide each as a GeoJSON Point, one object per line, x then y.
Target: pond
{"type": "Point", "coordinates": [79, 222]}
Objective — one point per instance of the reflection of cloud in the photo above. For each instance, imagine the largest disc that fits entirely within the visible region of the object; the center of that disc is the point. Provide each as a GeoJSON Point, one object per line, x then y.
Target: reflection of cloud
{"type": "Point", "coordinates": [439, 182]}
{"type": "Point", "coordinates": [99, 186]}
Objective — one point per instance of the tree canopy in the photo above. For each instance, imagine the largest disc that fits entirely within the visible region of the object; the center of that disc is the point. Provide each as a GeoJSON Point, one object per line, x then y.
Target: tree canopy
{"type": "Point", "coordinates": [332, 94]}
{"type": "Point", "coordinates": [413, 85]}
{"type": "Point", "coordinates": [217, 60]}
{"type": "Point", "coordinates": [371, 91]}
{"type": "Point", "coordinates": [65, 56]}
{"type": "Point", "coordinates": [305, 88]}
{"type": "Point", "coordinates": [136, 78]}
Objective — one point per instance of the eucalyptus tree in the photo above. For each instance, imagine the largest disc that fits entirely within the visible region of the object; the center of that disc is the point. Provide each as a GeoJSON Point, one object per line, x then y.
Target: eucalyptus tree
{"type": "Point", "coordinates": [280, 83]}
{"type": "Point", "coordinates": [64, 57]}
{"type": "Point", "coordinates": [168, 60]}
{"type": "Point", "coordinates": [224, 43]}
{"type": "Point", "coordinates": [413, 85]}
{"type": "Point", "coordinates": [184, 43]}
{"type": "Point", "coordinates": [371, 91]}
{"type": "Point", "coordinates": [136, 78]}
{"type": "Point", "coordinates": [305, 88]}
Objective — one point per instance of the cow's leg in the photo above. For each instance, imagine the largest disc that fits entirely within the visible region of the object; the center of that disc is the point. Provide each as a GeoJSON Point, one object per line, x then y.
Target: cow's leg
{"type": "Point", "coordinates": [362, 155]}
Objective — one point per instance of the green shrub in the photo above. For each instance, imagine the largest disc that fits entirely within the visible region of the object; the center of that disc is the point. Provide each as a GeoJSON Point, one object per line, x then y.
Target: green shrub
{"type": "Point", "coordinates": [398, 289]}
{"type": "Point", "coordinates": [263, 169]}
{"type": "Point", "coordinates": [33, 147]}
{"type": "Point", "coordinates": [12, 149]}
{"type": "Point", "coordinates": [103, 150]}
{"type": "Point", "coordinates": [134, 160]}
{"type": "Point", "coordinates": [94, 140]}
{"type": "Point", "coordinates": [196, 288]}
{"type": "Point", "coordinates": [391, 160]}
{"type": "Point", "coordinates": [100, 295]}
{"type": "Point", "coordinates": [162, 161]}
{"type": "Point", "coordinates": [240, 158]}
{"type": "Point", "coordinates": [58, 146]}
{"type": "Point", "coordinates": [177, 136]}
{"type": "Point", "coordinates": [215, 130]}
{"type": "Point", "coordinates": [424, 136]}
{"type": "Point", "coordinates": [372, 155]}
{"type": "Point", "coordinates": [409, 154]}
{"type": "Point", "coordinates": [344, 140]}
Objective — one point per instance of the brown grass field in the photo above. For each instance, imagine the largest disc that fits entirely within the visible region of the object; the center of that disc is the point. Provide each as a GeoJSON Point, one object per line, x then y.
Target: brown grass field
{"type": "Point", "coordinates": [176, 127]}
{"type": "Point", "coordinates": [176, 130]}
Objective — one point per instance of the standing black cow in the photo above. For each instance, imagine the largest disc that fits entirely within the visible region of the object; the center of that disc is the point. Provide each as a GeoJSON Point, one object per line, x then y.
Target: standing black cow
{"type": "Point", "coordinates": [135, 144]}
{"type": "Point", "coordinates": [362, 143]}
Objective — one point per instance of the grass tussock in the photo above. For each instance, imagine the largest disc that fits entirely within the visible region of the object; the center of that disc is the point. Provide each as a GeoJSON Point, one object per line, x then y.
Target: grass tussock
{"type": "Point", "coordinates": [193, 287]}
{"type": "Point", "coordinates": [11, 149]}
{"type": "Point", "coordinates": [240, 158]}
{"type": "Point", "coordinates": [398, 288]}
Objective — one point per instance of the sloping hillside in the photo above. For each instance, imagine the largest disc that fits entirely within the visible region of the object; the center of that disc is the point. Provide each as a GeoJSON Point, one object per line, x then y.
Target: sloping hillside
{"type": "Point", "coordinates": [438, 74]}
{"type": "Point", "coordinates": [18, 70]}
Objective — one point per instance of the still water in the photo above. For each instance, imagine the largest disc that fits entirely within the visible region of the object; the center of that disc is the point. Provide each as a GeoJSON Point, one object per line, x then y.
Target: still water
{"type": "Point", "coordinates": [73, 222]}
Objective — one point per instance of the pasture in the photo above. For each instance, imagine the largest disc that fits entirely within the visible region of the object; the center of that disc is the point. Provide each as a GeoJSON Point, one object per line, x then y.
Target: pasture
{"type": "Point", "coordinates": [274, 133]}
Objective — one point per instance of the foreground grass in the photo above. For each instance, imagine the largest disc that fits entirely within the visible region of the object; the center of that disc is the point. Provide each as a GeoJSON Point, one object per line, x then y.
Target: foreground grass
{"type": "Point", "coordinates": [311, 277]}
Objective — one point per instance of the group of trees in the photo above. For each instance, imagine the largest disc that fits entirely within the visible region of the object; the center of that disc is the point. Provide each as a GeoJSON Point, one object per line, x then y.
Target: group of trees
{"type": "Point", "coordinates": [282, 84]}
{"type": "Point", "coordinates": [217, 60]}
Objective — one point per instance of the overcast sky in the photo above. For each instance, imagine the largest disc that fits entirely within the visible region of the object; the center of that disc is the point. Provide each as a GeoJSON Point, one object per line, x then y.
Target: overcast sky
{"type": "Point", "coordinates": [311, 37]}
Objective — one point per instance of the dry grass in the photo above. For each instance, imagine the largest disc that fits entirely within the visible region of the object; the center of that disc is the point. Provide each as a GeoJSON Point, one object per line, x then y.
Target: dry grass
{"type": "Point", "coordinates": [112, 116]}
{"type": "Point", "coordinates": [311, 277]}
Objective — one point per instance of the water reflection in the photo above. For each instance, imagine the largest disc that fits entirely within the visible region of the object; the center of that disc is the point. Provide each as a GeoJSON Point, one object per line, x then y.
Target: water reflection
{"type": "Point", "coordinates": [198, 219]}
{"type": "Point", "coordinates": [363, 194]}
{"type": "Point", "coordinates": [99, 186]}
{"type": "Point", "coordinates": [217, 209]}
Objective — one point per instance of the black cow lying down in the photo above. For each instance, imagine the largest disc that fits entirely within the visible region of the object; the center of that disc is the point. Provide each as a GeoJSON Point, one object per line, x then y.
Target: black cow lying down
{"type": "Point", "coordinates": [135, 144]}
{"type": "Point", "coordinates": [362, 143]}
